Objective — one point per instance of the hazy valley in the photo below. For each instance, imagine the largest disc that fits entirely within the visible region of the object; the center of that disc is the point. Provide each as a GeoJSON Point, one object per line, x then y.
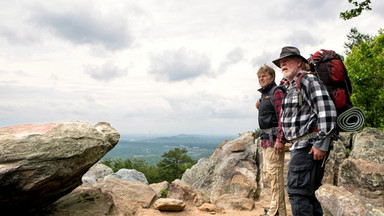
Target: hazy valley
{"type": "Point", "coordinates": [150, 148]}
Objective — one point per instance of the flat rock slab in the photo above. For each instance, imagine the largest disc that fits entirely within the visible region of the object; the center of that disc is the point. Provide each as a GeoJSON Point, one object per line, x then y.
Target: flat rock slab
{"type": "Point", "coordinates": [39, 163]}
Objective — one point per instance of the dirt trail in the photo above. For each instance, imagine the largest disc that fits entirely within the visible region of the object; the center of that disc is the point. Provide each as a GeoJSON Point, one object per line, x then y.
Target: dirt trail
{"type": "Point", "coordinates": [194, 211]}
{"type": "Point", "coordinates": [260, 204]}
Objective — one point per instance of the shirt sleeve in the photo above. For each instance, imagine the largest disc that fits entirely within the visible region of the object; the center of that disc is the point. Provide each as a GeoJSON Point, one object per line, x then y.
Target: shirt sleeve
{"type": "Point", "coordinates": [278, 97]}
{"type": "Point", "coordinates": [325, 110]}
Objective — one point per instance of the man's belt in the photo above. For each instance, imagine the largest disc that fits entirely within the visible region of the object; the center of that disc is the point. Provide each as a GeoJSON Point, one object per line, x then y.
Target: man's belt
{"type": "Point", "coordinates": [270, 132]}
{"type": "Point", "coordinates": [304, 137]}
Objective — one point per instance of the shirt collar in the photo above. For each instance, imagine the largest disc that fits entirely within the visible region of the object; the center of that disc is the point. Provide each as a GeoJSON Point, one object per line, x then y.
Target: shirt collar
{"type": "Point", "coordinates": [266, 89]}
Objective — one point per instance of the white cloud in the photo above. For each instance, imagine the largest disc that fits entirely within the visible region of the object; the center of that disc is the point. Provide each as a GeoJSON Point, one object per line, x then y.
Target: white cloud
{"type": "Point", "coordinates": [86, 26]}
{"type": "Point", "coordinates": [233, 57]}
{"type": "Point", "coordinates": [178, 65]}
{"type": "Point", "coordinates": [303, 37]}
{"type": "Point", "coordinates": [107, 72]}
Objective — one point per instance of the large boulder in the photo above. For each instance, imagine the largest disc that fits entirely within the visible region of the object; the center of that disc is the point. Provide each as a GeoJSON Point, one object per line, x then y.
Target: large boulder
{"type": "Point", "coordinates": [339, 201]}
{"type": "Point", "coordinates": [96, 174]}
{"type": "Point", "coordinates": [39, 163]}
{"type": "Point", "coordinates": [161, 188]}
{"type": "Point", "coordinates": [363, 172]}
{"type": "Point", "coordinates": [112, 196]}
{"type": "Point", "coordinates": [182, 191]}
{"type": "Point", "coordinates": [130, 175]}
{"type": "Point", "coordinates": [336, 157]}
{"type": "Point", "coordinates": [355, 166]}
{"type": "Point", "coordinates": [231, 169]}
{"type": "Point", "coordinates": [83, 201]}
{"type": "Point", "coordinates": [234, 202]}
{"type": "Point", "coordinates": [128, 196]}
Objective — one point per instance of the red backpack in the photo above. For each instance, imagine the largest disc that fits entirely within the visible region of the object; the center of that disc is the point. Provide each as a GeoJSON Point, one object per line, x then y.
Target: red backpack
{"type": "Point", "coordinates": [329, 67]}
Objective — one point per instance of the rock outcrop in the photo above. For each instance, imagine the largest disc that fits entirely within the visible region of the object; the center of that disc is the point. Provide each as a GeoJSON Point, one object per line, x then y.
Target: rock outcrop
{"type": "Point", "coordinates": [126, 194]}
{"type": "Point", "coordinates": [363, 172]}
{"type": "Point", "coordinates": [354, 183]}
{"type": "Point", "coordinates": [336, 156]}
{"type": "Point", "coordinates": [182, 191]}
{"type": "Point", "coordinates": [231, 169]}
{"type": "Point", "coordinates": [39, 163]}
{"type": "Point", "coordinates": [83, 201]}
{"type": "Point", "coordinates": [161, 188]}
{"type": "Point", "coordinates": [130, 175]}
{"type": "Point", "coordinates": [96, 174]}
{"type": "Point", "coordinates": [339, 201]}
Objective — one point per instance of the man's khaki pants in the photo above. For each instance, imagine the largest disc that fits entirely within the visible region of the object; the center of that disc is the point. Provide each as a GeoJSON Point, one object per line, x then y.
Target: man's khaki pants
{"type": "Point", "coordinates": [273, 170]}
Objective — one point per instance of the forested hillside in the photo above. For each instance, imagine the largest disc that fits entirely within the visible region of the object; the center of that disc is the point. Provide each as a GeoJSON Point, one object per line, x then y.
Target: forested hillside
{"type": "Point", "coordinates": [150, 149]}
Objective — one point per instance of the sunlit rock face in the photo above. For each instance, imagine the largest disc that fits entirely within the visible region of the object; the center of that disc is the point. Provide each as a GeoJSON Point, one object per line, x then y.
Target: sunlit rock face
{"type": "Point", "coordinates": [39, 163]}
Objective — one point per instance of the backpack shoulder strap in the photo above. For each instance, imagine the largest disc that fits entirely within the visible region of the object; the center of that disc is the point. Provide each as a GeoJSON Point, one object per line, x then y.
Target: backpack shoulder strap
{"type": "Point", "coordinates": [298, 81]}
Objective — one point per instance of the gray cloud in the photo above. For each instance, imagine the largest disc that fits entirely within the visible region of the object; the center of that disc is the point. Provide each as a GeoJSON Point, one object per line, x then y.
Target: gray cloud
{"type": "Point", "coordinates": [233, 57]}
{"type": "Point", "coordinates": [203, 105]}
{"type": "Point", "coordinates": [308, 12]}
{"type": "Point", "coordinates": [265, 58]}
{"type": "Point", "coordinates": [17, 36]}
{"type": "Point", "coordinates": [377, 8]}
{"type": "Point", "coordinates": [178, 65]}
{"type": "Point", "coordinates": [302, 38]}
{"type": "Point", "coordinates": [86, 26]}
{"type": "Point", "coordinates": [107, 72]}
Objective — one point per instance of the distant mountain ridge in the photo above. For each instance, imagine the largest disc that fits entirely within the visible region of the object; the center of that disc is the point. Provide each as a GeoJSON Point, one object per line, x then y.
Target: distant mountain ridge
{"type": "Point", "coordinates": [151, 149]}
{"type": "Point", "coordinates": [187, 138]}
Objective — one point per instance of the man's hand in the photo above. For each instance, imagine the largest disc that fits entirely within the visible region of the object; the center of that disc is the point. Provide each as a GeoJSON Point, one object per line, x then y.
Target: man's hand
{"type": "Point", "coordinates": [257, 104]}
{"type": "Point", "coordinates": [279, 147]}
{"type": "Point", "coordinates": [317, 153]}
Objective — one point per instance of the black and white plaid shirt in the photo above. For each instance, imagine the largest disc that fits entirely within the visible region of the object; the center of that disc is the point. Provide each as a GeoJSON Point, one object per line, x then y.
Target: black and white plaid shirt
{"type": "Point", "coordinates": [315, 112]}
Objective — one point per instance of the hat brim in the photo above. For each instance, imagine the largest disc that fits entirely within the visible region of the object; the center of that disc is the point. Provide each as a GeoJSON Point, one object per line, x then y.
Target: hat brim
{"type": "Point", "coordinates": [277, 61]}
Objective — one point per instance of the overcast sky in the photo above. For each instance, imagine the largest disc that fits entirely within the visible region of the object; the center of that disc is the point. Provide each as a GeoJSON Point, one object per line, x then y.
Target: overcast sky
{"type": "Point", "coordinates": [156, 66]}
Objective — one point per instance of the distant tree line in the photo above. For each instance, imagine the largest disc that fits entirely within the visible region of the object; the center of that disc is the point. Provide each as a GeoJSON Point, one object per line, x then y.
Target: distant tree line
{"type": "Point", "coordinates": [174, 163]}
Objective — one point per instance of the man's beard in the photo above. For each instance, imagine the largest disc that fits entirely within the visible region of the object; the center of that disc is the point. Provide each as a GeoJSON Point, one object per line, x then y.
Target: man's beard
{"type": "Point", "coordinates": [291, 74]}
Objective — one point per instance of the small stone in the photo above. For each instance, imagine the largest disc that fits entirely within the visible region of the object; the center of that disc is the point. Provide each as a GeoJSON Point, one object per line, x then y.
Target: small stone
{"type": "Point", "coordinates": [168, 204]}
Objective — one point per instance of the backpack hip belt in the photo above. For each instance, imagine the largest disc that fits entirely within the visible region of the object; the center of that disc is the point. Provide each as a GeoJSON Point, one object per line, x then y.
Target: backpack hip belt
{"type": "Point", "coordinates": [304, 137]}
{"type": "Point", "coordinates": [270, 132]}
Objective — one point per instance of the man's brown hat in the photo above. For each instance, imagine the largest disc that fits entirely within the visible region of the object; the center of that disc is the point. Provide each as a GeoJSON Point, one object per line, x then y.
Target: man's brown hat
{"type": "Point", "coordinates": [288, 51]}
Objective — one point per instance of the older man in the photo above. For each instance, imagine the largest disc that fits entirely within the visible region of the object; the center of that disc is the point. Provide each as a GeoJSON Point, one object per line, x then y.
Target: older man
{"type": "Point", "coordinates": [273, 147]}
{"type": "Point", "coordinates": [308, 119]}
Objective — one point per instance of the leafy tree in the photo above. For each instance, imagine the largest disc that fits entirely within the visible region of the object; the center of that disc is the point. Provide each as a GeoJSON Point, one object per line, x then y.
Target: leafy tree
{"type": "Point", "coordinates": [117, 163]}
{"type": "Point", "coordinates": [256, 134]}
{"type": "Point", "coordinates": [354, 39]}
{"type": "Point", "coordinates": [151, 172]}
{"type": "Point", "coordinates": [174, 164]}
{"type": "Point", "coordinates": [107, 162]}
{"type": "Point", "coordinates": [365, 64]}
{"type": "Point", "coordinates": [359, 7]}
{"type": "Point", "coordinates": [171, 167]}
